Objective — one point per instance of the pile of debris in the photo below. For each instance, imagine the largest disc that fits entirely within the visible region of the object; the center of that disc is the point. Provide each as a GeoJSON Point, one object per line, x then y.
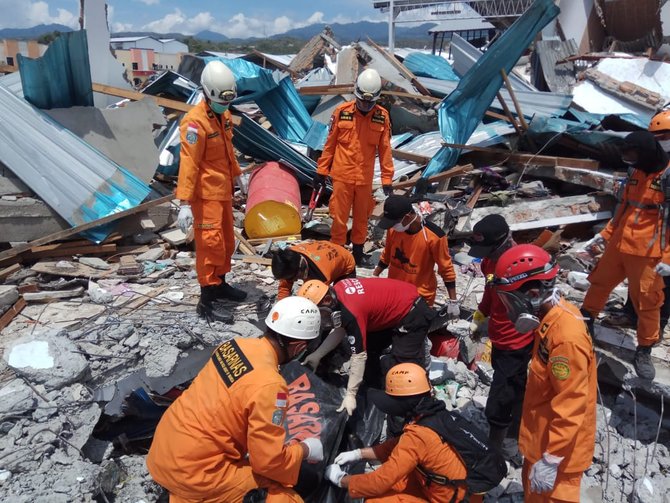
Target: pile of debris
{"type": "Point", "coordinates": [97, 306]}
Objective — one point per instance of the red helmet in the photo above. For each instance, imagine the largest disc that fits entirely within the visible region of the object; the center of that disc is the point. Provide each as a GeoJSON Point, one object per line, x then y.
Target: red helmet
{"type": "Point", "coordinates": [523, 263]}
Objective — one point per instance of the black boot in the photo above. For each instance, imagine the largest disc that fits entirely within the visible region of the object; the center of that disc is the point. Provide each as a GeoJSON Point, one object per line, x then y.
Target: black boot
{"type": "Point", "coordinates": [589, 322]}
{"type": "Point", "coordinates": [361, 259]}
{"type": "Point", "coordinates": [228, 292]}
{"type": "Point", "coordinates": [209, 308]}
{"type": "Point", "coordinates": [644, 367]}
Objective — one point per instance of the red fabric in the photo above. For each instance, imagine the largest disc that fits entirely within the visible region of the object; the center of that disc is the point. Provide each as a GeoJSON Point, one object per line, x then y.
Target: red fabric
{"type": "Point", "coordinates": [375, 304]}
{"type": "Point", "coordinates": [501, 329]}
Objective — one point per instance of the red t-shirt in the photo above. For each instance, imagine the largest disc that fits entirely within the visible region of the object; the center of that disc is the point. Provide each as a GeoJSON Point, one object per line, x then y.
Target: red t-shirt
{"type": "Point", "coordinates": [501, 330]}
{"type": "Point", "coordinates": [372, 305]}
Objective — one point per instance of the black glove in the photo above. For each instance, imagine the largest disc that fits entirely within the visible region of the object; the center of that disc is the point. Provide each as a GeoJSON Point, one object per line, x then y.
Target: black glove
{"type": "Point", "coordinates": [388, 190]}
{"type": "Point", "coordinates": [319, 181]}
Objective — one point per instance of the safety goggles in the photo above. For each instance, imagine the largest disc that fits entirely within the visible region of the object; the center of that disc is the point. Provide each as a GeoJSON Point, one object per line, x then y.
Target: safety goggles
{"type": "Point", "coordinates": [227, 96]}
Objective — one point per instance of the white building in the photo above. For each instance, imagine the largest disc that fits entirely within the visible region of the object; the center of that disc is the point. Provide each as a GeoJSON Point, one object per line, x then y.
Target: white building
{"type": "Point", "coordinates": [165, 46]}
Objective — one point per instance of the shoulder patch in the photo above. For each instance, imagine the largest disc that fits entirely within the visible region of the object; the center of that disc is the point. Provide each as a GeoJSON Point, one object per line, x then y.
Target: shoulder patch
{"type": "Point", "coordinates": [230, 362]}
{"type": "Point", "coordinates": [345, 115]}
{"type": "Point", "coordinates": [560, 367]}
{"type": "Point", "coordinates": [436, 229]}
{"type": "Point", "coordinates": [278, 417]}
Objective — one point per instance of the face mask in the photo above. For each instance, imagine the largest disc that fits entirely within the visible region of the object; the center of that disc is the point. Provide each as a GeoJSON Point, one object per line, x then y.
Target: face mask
{"type": "Point", "coordinates": [218, 108]}
{"type": "Point", "coordinates": [665, 145]}
{"type": "Point", "coordinates": [365, 106]}
{"type": "Point", "coordinates": [521, 311]}
{"type": "Point", "coordinates": [399, 227]}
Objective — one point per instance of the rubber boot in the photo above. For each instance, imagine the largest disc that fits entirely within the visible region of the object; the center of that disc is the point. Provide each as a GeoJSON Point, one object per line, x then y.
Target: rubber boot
{"type": "Point", "coordinates": [496, 437]}
{"type": "Point", "coordinates": [644, 367]}
{"type": "Point", "coordinates": [361, 259]}
{"type": "Point", "coordinates": [228, 292]}
{"type": "Point", "coordinates": [590, 322]}
{"type": "Point", "coordinates": [209, 308]}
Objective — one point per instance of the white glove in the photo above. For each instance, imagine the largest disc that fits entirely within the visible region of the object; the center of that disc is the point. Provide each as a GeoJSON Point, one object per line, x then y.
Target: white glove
{"type": "Point", "coordinates": [543, 473]}
{"type": "Point", "coordinates": [242, 184]}
{"type": "Point", "coordinates": [314, 450]}
{"type": "Point", "coordinates": [335, 474]}
{"type": "Point", "coordinates": [663, 269]}
{"type": "Point", "coordinates": [348, 404]}
{"type": "Point", "coordinates": [347, 457]}
{"type": "Point", "coordinates": [185, 218]}
{"type": "Point", "coordinates": [453, 309]}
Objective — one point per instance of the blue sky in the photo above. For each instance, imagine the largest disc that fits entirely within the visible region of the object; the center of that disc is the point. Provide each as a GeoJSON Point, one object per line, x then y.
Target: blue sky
{"type": "Point", "coordinates": [232, 18]}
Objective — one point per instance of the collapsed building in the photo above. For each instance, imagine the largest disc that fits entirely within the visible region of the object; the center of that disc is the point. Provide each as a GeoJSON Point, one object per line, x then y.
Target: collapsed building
{"type": "Point", "coordinates": [99, 330]}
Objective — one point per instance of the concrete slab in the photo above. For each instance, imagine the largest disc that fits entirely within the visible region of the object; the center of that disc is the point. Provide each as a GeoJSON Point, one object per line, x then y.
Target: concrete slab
{"type": "Point", "coordinates": [8, 295]}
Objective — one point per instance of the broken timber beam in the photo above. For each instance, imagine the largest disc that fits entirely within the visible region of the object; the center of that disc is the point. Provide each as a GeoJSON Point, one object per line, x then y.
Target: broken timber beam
{"type": "Point", "coordinates": [455, 171]}
{"type": "Point", "coordinates": [400, 67]}
{"type": "Point", "coordinates": [598, 180]}
{"type": "Point", "coordinates": [137, 96]}
{"type": "Point", "coordinates": [12, 313]}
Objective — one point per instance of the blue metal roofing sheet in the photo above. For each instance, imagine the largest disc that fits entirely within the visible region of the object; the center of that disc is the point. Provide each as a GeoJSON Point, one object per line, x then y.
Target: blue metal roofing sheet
{"type": "Point", "coordinates": [430, 65]}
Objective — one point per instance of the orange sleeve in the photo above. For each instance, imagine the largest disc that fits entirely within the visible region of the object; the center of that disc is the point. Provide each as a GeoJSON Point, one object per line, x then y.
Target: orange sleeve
{"type": "Point", "coordinates": [193, 141]}
{"type": "Point", "coordinates": [568, 364]}
{"type": "Point", "coordinates": [385, 155]}
{"type": "Point", "coordinates": [403, 460]}
{"type": "Point", "coordinates": [442, 257]}
{"type": "Point", "coordinates": [325, 162]}
{"type": "Point", "coordinates": [285, 289]}
{"type": "Point", "coordinates": [385, 258]}
{"type": "Point", "coordinates": [268, 455]}
{"type": "Point", "coordinates": [383, 451]}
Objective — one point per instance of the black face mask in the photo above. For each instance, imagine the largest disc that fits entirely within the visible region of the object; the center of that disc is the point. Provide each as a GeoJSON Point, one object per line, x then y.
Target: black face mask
{"type": "Point", "coordinates": [651, 158]}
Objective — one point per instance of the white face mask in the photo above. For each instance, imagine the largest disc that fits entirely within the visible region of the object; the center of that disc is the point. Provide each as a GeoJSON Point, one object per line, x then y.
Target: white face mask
{"type": "Point", "coordinates": [399, 227]}
{"type": "Point", "coordinates": [665, 145]}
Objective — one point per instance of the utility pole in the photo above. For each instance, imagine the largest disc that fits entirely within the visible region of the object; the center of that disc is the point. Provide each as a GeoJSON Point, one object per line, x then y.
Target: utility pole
{"type": "Point", "coordinates": [391, 26]}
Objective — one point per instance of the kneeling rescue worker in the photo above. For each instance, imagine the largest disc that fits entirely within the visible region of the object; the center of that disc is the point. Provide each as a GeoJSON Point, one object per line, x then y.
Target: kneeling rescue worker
{"type": "Point", "coordinates": [207, 170]}
{"type": "Point", "coordinates": [558, 423]}
{"type": "Point", "coordinates": [224, 436]}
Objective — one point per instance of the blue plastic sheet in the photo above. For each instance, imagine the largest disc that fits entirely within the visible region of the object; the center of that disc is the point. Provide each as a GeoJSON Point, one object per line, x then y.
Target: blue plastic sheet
{"type": "Point", "coordinates": [430, 65]}
{"type": "Point", "coordinates": [62, 77]}
{"type": "Point", "coordinates": [462, 111]}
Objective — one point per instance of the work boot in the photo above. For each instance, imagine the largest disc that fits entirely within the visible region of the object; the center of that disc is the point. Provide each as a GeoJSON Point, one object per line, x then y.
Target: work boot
{"type": "Point", "coordinates": [496, 437]}
{"type": "Point", "coordinates": [209, 308]}
{"type": "Point", "coordinates": [229, 292]}
{"type": "Point", "coordinates": [644, 367]}
{"type": "Point", "coordinates": [590, 322]}
{"type": "Point", "coordinates": [362, 260]}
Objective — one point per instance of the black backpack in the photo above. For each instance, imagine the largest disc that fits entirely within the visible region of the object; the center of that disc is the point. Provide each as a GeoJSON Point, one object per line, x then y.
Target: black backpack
{"type": "Point", "coordinates": [485, 466]}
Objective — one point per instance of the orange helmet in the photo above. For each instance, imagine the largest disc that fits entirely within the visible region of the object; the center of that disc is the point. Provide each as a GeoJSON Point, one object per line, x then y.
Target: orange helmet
{"type": "Point", "coordinates": [660, 123]}
{"type": "Point", "coordinates": [407, 379]}
{"type": "Point", "coordinates": [313, 290]}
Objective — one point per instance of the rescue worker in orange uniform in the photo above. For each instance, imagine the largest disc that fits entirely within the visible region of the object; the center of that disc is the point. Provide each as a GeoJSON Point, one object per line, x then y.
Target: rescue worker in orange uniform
{"type": "Point", "coordinates": [208, 170]}
{"type": "Point", "coordinates": [320, 260]}
{"type": "Point", "coordinates": [558, 424]}
{"type": "Point", "coordinates": [223, 438]}
{"type": "Point", "coordinates": [413, 247]}
{"type": "Point", "coordinates": [636, 245]}
{"type": "Point", "coordinates": [414, 464]}
{"type": "Point", "coordinates": [358, 131]}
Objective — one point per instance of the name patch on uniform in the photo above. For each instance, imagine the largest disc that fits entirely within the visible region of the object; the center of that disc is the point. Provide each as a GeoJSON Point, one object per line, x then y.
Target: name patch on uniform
{"type": "Point", "coordinates": [230, 362]}
{"type": "Point", "coordinates": [378, 118]}
{"type": "Point", "coordinates": [346, 116]}
{"type": "Point", "coordinates": [192, 133]}
{"type": "Point", "coordinates": [560, 367]}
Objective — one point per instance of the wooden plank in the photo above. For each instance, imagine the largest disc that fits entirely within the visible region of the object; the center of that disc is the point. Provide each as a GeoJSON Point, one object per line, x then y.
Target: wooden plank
{"type": "Point", "coordinates": [252, 259]}
{"type": "Point", "coordinates": [400, 67]}
{"type": "Point", "coordinates": [76, 270]}
{"type": "Point", "coordinates": [90, 250]}
{"type": "Point", "coordinates": [508, 113]}
{"type": "Point", "coordinates": [455, 171]}
{"type": "Point", "coordinates": [517, 105]}
{"type": "Point", "coordinates": [12, 313]}
{"type": "Point", "coordinates": [250, 250]}
{"type": "Point", "coordinates": [56, 236]}
{"type": "Point", "coordinates": [137, 96]}
{"type": "Point", "coordinates": [408, 156]}
{"type": "Point", "coordinates": [8, 271]}
{"type": "Point", "coordinates": [134, 304]}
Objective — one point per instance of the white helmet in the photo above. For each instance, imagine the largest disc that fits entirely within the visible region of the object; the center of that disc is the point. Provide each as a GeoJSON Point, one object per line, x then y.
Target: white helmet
{"type": "Point", "coordinates": [368, 85]}
{"type": "Point", "coordinates": [295, 317]}
{"type": "Point", "coordinates": [218, 82]}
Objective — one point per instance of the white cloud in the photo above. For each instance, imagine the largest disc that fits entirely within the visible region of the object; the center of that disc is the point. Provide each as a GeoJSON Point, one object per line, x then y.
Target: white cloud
{"type": "Point", "coordinates": [150, 2]}
{"type": "Point", "coordinates": [27, 14]}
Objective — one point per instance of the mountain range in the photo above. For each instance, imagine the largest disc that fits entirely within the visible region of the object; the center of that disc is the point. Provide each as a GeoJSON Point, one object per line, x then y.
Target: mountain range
{"type": "Point", "coordinates": [344, 33]}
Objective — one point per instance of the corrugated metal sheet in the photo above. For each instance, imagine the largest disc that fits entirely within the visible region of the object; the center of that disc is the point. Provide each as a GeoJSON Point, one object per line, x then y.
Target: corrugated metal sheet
{"type": "Point", "coordinates": [74, 179]}
{"type": "Point", "coordinates": [531, 102]}
{"type": "Point", "coordinates": [559, 78]}
{"type": "Point", "coordinates": [12, 83]}
{"type": "Point", "coordinates": [429, 65]}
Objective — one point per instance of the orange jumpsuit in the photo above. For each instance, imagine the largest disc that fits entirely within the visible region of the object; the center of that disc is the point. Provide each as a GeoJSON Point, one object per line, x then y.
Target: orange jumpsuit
{"type": "Point", "coordinates": [412, 258]}
{"type": "Point", "coordinates": [559, 408]}
{"type": "Point", "coordinates": [207, 169]}
{"type": "Point", "coordinates": [349, 158]}
{"type": "Point", "coordinates": [326, 261]}
{"type": "Point", "coordinates": [633, 249]}
{"type": "Point", "coordinates": [234, 407]}
{"type": "Point", "coordinates": [397, 479]}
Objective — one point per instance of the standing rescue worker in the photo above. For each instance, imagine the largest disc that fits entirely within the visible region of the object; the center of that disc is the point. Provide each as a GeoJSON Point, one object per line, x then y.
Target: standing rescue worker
{"type": "Point", "coordinates": [207, 171]}
{"type": "Point", "coordinates": [413, 247]}
{"type": "Point", "coordinates": [375, 314]}
{"type": "Point", "coordinates": [358, 131]}
{"type": "Point", "coordinates": [636, 245]}
{"type": "Point", "coordinates": [558, 425]}
{"type": "Point", "coordinates": [320, 260]}
{"type": "Point", "coordinates": [511, 350]}
{"type": "Point", "coordinates": [416, 465]}
{"type": "Point", "coordinates": [224, 436]}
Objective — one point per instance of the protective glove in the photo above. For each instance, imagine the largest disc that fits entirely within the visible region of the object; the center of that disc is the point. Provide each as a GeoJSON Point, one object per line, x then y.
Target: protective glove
{"type": "Point", "coordinates": [335, 474]}
{"type": "Point", "coordinates": [185, 218]}
{"type": "Point", "coordinates": [388, 190]}
{"type": "Point", "coordinates": [347, 457]}
{"type": "Point", "coordinates": [348, 404]}
{"type": "Point", "coordinates": [242, 184]}
{"type": "Point", "coordinates": [319, 181]}
{"type": "Point", "coordinates": [331, 342]}
{"type": "Point", "coordinates": [356, 371]}
{"type": "Point", "coordinates": [453, 309]}
{"type": "Point", "coordinates": [314, 450]}
{"type": "Point", "coordinates": [543, 473]}
{"type": "Point", "coordinates": [663, 269]}
{"type": "Point", "coordinates": [312, 361]}
{"type": "Point", "coordinates": [478, 319]}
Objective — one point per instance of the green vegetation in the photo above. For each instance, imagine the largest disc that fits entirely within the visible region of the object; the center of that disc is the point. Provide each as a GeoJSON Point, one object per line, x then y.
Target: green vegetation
{"type": "Point", "coordinates": [47, 38]}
